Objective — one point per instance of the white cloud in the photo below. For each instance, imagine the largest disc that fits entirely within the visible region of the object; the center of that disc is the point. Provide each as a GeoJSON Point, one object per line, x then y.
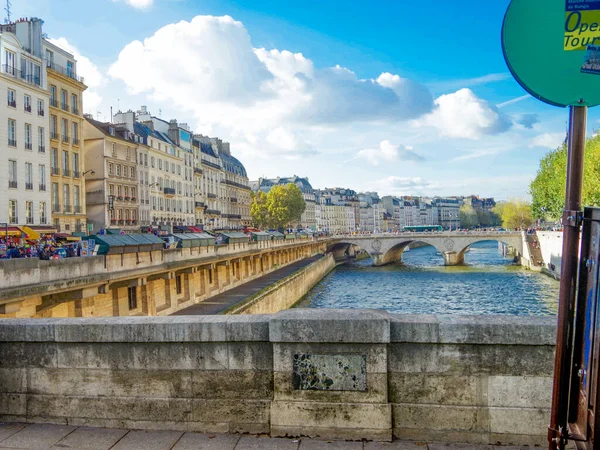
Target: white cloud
{"type": "Point", "coordinates": [468, 82]}
{"type": "Point", "coordinates": [289, 144]}
{"type": "Point", "coordinates": [548, 140]}
{"type": "Point", "coordinates": [92, 76]}
{"type": "Point", "coordinates": [388, 152]}
{"type": "Point", "coordinates": [394, 185]}
{"type": "Point", "coordinates": [526, 120]}
{"type": "Point", "coordinates": [138, 4]}
{"type": "Point", "coordinates": [464, 115]}
{"type": "Point", "coordinates": [513, 101]}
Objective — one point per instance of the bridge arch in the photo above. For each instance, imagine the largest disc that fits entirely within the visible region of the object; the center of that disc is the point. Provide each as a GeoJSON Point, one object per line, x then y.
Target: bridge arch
{"type": "Point", "coordinates": [341, 250]}
{"type": "Point", "coordinates": [517, 244]}
{"type": "Point", "coordinates": [394, 253]}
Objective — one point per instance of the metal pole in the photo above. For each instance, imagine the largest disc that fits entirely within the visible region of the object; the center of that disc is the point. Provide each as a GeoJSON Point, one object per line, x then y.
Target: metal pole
{"type": "Point", "coordinates": [558, 431]}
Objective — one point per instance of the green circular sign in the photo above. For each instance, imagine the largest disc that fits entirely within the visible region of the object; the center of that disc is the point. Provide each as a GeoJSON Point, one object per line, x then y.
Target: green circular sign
{"type": "Point", "coordinates": [552, 48]}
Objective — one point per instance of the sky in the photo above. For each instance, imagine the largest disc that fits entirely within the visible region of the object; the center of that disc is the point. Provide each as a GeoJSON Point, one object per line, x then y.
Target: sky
{"type": "Point", "coordinates": [380, 95]}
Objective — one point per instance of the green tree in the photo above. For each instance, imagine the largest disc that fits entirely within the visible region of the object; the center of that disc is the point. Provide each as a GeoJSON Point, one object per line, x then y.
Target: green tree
{"type": "Point", "coordinates": [285, 205]}
{"type": "Point", "coordinates": [548, 188]}
{"type": "Point", "coordinates": [514, 213]}
{"type": "Point", "coordinates": [258, 209]}
{"type": "Point", "coordinates": [468, 216]}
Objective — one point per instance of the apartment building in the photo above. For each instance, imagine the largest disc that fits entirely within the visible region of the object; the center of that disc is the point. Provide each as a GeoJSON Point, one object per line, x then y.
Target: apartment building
{"type": "Point", "coordinates": [24, 161]}
{"type": "Point", "coordinates": [112, 184]}
{"type": "Point", "coordinates": [448, 211]}
{"type": "Point", "coordinates": [66, 143]}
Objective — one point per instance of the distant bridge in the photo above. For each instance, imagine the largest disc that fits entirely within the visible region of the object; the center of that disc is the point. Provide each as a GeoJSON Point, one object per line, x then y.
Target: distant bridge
{"type": "Point", "coordinates": [388, 247]}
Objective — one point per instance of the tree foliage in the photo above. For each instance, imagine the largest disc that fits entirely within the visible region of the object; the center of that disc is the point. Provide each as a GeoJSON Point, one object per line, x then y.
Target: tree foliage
{"type": "Point", "coordinates": [548, 188]}
{"type": "Point", "coordinates": [468, 216]}
{"type": "Point", "coordinates": [282, 206]}
{"type": "Point", "coordinates": [514, 213]}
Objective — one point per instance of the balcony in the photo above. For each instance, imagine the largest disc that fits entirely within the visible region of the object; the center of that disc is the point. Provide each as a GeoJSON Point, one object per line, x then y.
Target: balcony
{"type": "Point", "coordinates": [75, 141]}
{"type": "Point", "coordinates": [232, 216]}
{"type": "Point", "coordinates": [170, 192]}
{"type": "Point", "coordinates": [29, 220]}
{"type": "Point", "coordinates": [40, 112]}
{"type": "Point", "coordinates": [76, 174]}
{"type": "Point", "coordinates": [24, 76]}
{"type": "Point", "coordinates": [43, 220]}
{"type": "Point", "coordinates": [67, 208]}
{"type": "Point", "coordinates": [199, 204]}
{"type": "Point", "coordinates": [41, 149]}
{"type": "Point", "coordinates": [113, 221]}
{"type": "Point", "coordinates": [120, 197]}
{"type": "Point", "coordinates": [64, 106]}
{"type": "Point", "coordinates": [54, 103]}
{"type": "Point", "coordinates": [28, 146]}
{"type": "Point", "coordinates": [55, 171]}
{"type": "Point", "coordinates": [13, 184]}
{"type": "Point", "coordinates": [56, 208]}
{"type": "Point", "coordinates": [29, 186]}
{"type": "Point", "coordinates": [233, 200]}
{"type": "Point", "coordinates": [210, 164]}
{"type": "Point", "coordinates": [54, 135]}
{"type": "Point", "coordinates": [12, 142]}
{"type": "Point", "coordinates": [13, 219]}
{"type": "Point", "coordinates": [27, 108]}
{"type": "Point", "coordinates": [211, 195]}
{"type": "Point", "coordinates": [65, 138]}
{"type": "Point", "coordinates": [66, 173]}
{"type": "Point", "coordinates": [77, 209]}
{"type": "Point", "coordinates": [127, 198]}
{"type": "Point", "coordinates": [214, 212]}
{"type": "Point", "coordinates": [74, 110]}
{"type": "Point", "coordinates": [43, 187]}
{"type": "Point", "coordinates": [68, 71]}
{"type": "Point", "coordinates": [236, 184]}
{"type": "Point", "coordinates": [197, 171]}
{"type": "Point", "coordinates": [12, 103]}
{"type": "Point", "coordinates": [133, 199]}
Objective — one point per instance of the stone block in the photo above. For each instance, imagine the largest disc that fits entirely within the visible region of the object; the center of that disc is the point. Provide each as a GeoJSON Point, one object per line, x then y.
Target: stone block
{"type": "Point", "coordinates": [27, 330]}
{"type": "Point", "coordinates": [331, 419]}
{"type": "Point", "coordinates": [248, 328]}
{"type": "Point", "coordinates": [528, 421]}
{"type": "Point", "coordinates": [265, 443]}
{"type": "Point", "coordinates": [250, 356]}
{"type": "Point", "coordinates": [438, 417]}
{"type": "Point", "coordinates": [523, 392]}
{"type": "Point", "coordinates": [504, 330]}
{"type": "Point", "coordinates": [414, 328]}
{"type": "Point", "coordinates": [330, 326]}
{"type": "Point", "coordinates": [377, 391]}
{"type": "Point", "coordinates": [13, 380]}
{"type": "Point", "coordinates": [238, 411]}
{"type": "Point", "coordinates": [434, 389]}
{"type": "Point", "coordinates": [111, 383]}
{"type": "Point", "coordinates": [13, 404]}
{"type": "Point", "coordinates": [38, 436]}
{"type": "Point", "coordinates": [156, 440]}
{"type": "Point", "coordinates": [196, 427]}
{"type": "Point", "coordinates": [197, 441]}
{"type": "Point", "coordinates": [468, 359]}
{"type": "Point", "coordinates": [232, 384]}
{"type": "Point", "coordinates": [86, 438]}
{"type": "Point", "coordinates": [27, 354]}
{"type": "Point", "coordinates": [283, 354]}
{"type": "Point", "coordinates": [347, 434]}
{"type": "Point", "coordinates": [8, 429]}
{"type": "Point", "coordinates": [316, 444]}
{"type": "Point", "coordinates": [149, 356]}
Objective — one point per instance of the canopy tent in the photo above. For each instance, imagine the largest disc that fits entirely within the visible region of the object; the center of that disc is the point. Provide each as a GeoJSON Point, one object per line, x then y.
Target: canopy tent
{"type": "Point", "coordinates": [276, 235]}
{"type": "Point", "coordinates": [186, 240]}
{"type": "Point", "coordinates": [126, 243]}
{"type": "Point", "coordinates": [233, 237]}
{"type": "Point", "coordinates": [290, 236]}
{"type": "Point", "coordinates": [206, 240]}
{"type": "Point", "coordinates": [147, 242]}
{"type": "Point", "coordinates": [260, 236]}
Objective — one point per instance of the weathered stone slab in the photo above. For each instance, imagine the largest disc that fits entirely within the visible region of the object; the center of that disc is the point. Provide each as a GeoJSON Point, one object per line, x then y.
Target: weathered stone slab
{"type": "Point", "coordinates": [317, 444]}
{"type": "Point", "coordinates": [437, 417]}
{"type": "Point", "coordinates": [330, 326]}
{"type": "Point", "coordinates": [27, 354]}
{"type": "Point", "coordinates": [519, 420]}
{"type": "Point", "coordinates": [85, 438]}
{"type": "Point", "coordinates": [314, 372]}
{"type": "Point", "coordinates": [265, 443]}
{"type": "Point", "coordinates": [232, 384]}
{"type": "Point", "coordinates": [27, 330]}
{"type": "Point", "coordinates": [414, 328]}
{"type": "Point", "coordinates": [250, 356]}
{"type": "Point", "coordinates": [8, 429]}
{"type": "Point", "coordinates": [434, 389]}
{"type": "Point", "coordinates": [148, 440]}
{"type": "Point", "coordinates": [238, 411]}
{"type": "Point", "coordinates": [397, 445]}
{"type": "Point", "coordinates": [13, 380]}
{"type": "Point", "coordinates": [13, 404]}
{"type": "Point", "coordinates": [197, 427]}
{"type": "Point", "coordinates": [38, 436]}
{"type": "Point", "coordinates": [523, 392]}
{"type": "Point", "coordinates": [197, 441]}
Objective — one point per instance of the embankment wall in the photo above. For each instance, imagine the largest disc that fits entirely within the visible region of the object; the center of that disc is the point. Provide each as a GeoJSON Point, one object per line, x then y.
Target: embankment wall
{"type": "Point", "coordinates": [350, 374]}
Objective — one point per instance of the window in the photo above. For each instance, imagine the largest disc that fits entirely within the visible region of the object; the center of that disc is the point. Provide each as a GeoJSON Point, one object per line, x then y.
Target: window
{"type": "Point", "coordinates": [28, 176]}
{"type": "Point", "coordinates": [65, 130]}
{"type": "Point", "coordinates": [75, 132]}
{"type": "Point", "coordinates": [132, 297]}
{"type": "Point", "coordinates": [146, 159]}
{"type": "Point", "coordinates": [12, 98]}
{"type": "Point", "coordinates": [118, 170]}
{"type": "Point", "coordinates": [210, 280]}
{"type": "Point", "coordinates": [110, 168]}
{"type": "Point", "coordinates": [28, 144]}
{"type": "Point", "coordinates": [126, 191]}
{"type": "Point", "coordinates": [76, 195]}
{"type": "Point", "coordinates": [111, 189]}
{"type": "Point", "coordinates": [29, 212]}
{"type": "Point", "coordinates": [64, 98]}
{"type": "Point", "coordinates": [172, 167]}
{"type": "Point", "coordinates": [43, 212]}
{"type": "Point", "coordinates": [70, 69]}
{"type": "Point", "coordinates": [65, 163]}
{"type": "Point", "coordinates": [53, 127]}
{"type": "Point", "coordinates": [152, 161]}
{"type": "Point", "coordinates": [54, 161]}
{"type": "Point", "coordinates": [55, 202]}
{"type": "Point", "coordinates": [53, 101]}
{"type": "Point", "coordinates": [74, 104]}
{"type": "Point", "coordinates": [132, 192]}
{"type": "Point", "coordinates": [12, 211]}
{"type": "Point", "coordinates": [160, 164]}
{"type": "Point", "coordinates": [76, 164]}
{"type": "Point", "coordinates": [27, 103]}
{"type": "Point", "coordinates": [40, 107]}
{"type": "Point", "coordinates": [67, 197]}
{"type": "Point", "coordinates": [41, 142]}
{"type": "Point", "coordinates": [178, 284]}
{"type": "Point", "coordinates": [12, 133]}
{"type": "Point", "coordinates": [10, 61]}
{"type": "Point", "coordinates": [42, 176]}
{"type": "Point", "coordinates": [119, 191]}
{"type": "Point", "coordinates": [132, 172]}
{"type": "Point", "coordinates": [12, 174]}
{"type": "Point", "coordinates": [49, 58]}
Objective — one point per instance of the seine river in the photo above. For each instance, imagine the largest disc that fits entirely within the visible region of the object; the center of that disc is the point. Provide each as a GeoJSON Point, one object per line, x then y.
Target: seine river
{"type": "Point", "coordinates": [421, 284]}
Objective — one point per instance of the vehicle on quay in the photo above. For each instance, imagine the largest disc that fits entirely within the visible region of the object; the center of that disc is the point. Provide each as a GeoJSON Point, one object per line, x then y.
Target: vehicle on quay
{"type": "Point", "coordinates": [422, 228]}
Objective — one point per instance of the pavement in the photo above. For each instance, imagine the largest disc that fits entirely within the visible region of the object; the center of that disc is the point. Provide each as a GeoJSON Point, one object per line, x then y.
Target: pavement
{"type": "Point", "coordinates": [60, 437]}
{"type": "Point", "coordinates": [220, 302]}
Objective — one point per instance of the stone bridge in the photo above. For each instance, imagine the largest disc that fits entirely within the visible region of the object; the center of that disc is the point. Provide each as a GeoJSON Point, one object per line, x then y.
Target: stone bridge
{"type": "Point", "coordinates": [387, 248]}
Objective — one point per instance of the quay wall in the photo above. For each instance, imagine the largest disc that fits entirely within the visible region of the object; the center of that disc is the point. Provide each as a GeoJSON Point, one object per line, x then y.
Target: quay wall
{"type": "Point", "coordinates": [484, 380]}
{"type": "Point", "coordinates": [551, 247]}
{"type": "Point", "coordinates": [287, 292]}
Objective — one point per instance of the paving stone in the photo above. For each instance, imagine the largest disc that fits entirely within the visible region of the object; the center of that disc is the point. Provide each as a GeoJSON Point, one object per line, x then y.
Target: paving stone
{"type": "Point", "coordinates": [38, 436]}
{"type": "Point", "coordinates": [8, 429]}
{"type": "Point", "coordinates": [87, 438]}
{"type": "Point", "coordinates": [265, 443]}
{"type": "Point", "coordinates": [397, 445]}
{"type": "Point", "coordinates": [148, 440]}
{"type": "Point", "coordinates": [197, 441]}
{"type": "Point", "coordinates": [471, 447]}
{"type": "Point", "coordinates": [317, 444]}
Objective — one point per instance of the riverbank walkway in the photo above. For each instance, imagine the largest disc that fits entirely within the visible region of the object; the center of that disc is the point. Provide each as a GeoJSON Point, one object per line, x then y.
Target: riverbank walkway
{"type": "Point", "coordinates": [60, 437]}
{"type": "Point", "coordinates": [220, 302]}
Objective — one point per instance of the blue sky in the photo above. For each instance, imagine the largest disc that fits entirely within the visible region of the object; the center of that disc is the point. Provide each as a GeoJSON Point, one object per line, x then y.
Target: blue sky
{"type": "Point", "coordinates": [386, 95]}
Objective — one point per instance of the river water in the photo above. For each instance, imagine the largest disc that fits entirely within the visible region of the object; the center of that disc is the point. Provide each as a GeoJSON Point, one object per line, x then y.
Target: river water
{"type": "Point", "coordinates": [488, 283]}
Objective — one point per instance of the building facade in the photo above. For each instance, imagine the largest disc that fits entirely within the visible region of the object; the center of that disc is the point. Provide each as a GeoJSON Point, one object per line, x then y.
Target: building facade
{"type": "Point", "coordinates": [66, 142]}
{"type": "Point", "coordinates": [24, 160]}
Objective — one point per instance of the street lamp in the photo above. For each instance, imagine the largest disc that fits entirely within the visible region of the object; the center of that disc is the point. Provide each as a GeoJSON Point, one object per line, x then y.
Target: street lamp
{"type": "Point", "coordinates": [91, 172]}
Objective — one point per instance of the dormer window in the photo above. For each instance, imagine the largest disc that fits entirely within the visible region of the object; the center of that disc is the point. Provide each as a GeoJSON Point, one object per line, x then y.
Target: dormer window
{"type": "Point", "coordinates": [111, 131]}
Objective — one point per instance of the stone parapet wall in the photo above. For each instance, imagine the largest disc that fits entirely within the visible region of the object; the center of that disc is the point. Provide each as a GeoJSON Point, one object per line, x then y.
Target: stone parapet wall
{"type": "Point", "coordinates": [351, 374]}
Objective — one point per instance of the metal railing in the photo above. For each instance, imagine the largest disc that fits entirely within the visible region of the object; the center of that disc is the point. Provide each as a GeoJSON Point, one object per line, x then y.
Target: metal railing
{"type": "Point", "coordinates": [63, 70]}
{"type": "Point", "coordinates": [28, 146]}
{"type": "Point", "coordinates": [28, 78]}
{"type": "Point", "coordinates": [64, 106]}
{"type": "Point", "coordinates": [67, 208]}
{"type": "Point", "coordinates": [65, 138]}
{"type": "Point", "coordinates": [27, 108]}
{"type": "Point", "coordinates": [29, 186]}
{"type": "Point", "coordinates": [55, 171]}
{"type": "Point", "coordinates": [169, 191]}
{"type": "Point", "coordinates": [12, 142]}
{"type": "Point", "coordinates": [12, 103]}
{"type": "Point", "coordinates": [76, 174]}
{"type": "Point", "coordinates": [74, 110]}
{"type": "Point", "coordinates": [40, 112]}
{"type": "Point", "coordinates": [41, 149]}
{"type": "Point", "coordinates": [13, 219]}
{"type": "Point", "coordinates": [75, 141]}
{"type": "Point", "coordinates": [56, 207]}
{"type": "Point", "coordinates": [66, 173]}
{"type": "Point", "coordinates": [29, 220]}
{"type": "Point", "coordinates": [54, 135]}
{"type": "Point", "coordinates": [13, 184]}
{"type": "Point", "coordinates": [54, 103]}
{"type": "Point", "coordinates": [42, 187]}
{"type": "Point", "coordinates": [77, 209]}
